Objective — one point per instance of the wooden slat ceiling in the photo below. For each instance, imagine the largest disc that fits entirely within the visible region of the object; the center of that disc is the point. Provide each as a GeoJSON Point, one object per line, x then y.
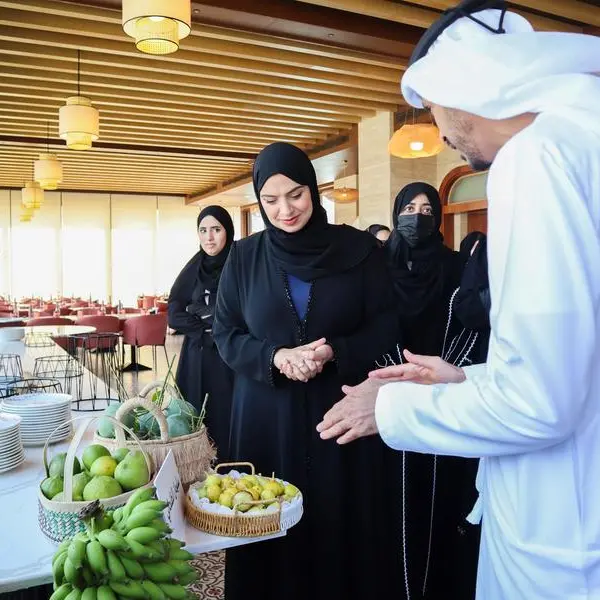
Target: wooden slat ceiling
{"type": "Point", "coordinates": [193, 120]}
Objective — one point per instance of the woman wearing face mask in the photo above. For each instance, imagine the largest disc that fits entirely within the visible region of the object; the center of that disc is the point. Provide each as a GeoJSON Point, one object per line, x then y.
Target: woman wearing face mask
{"type": "Point", "coordinates": [425, 274]}
{"type": "Point", "coordinates": [303, 308]}
{"type": "Point", "coordinates": [201, 370]}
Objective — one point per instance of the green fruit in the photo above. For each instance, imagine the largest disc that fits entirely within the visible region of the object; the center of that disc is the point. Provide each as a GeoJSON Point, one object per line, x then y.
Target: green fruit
{"type": "Point", "coordinates": [117, 515]}
{"type": "Point", "coordinates": [62, 592]}
{"type": "Point", "coordinates": [160, 572]}
{"type": "Point", "coordinates": [175, 544]}
{"type": "Point", "coordinates": [88, 576]}
{"type": "Point", "coordinates": [156, 505]}
{"type": "Point", "coordinates": [96, 557]}
{"type": "Point", "coordinates": [120, 453]}
{"type": "Point", "coordinates": [180, 554]}
{"type": "Point", "coordinates": [149, 425]}
{"type": "Point", "coordinates": [89, 593]}
{"type": "Point", "coordinates": [106, 427]}
{"type": "Point", "coordinates": [91, 453]}
{"type": "Point", "coordinates": [240, 500]}
{"type": "Point", "coordinates": [159, 547]}
{"type": "Point", "coordinates": [138, 497]}
{"type": "Point", "coordinates": [161, 526]}
{"type": "Point", "coordinates": [132, 472]}
{"type": "Point", "coordinates": [178, 425]}
{"type": "Point", "coordinates": [140, 551]}
{"type": "Point", "coordinates": [173, 591]}
{"type": "Point", "coordinates": [79, 482]}
{"type": "Point", "coordinates": [132, 567]}
{"type": "Point", "coordinates": [213, 492]}
{"type": "Point", "coordinates": [129, 589]}
{"type": "Point", "coordinates": [101, 487]}
{"type": "Point", "coordinates": [74, 594]}
{"type": "Point", "coordinates": [139, 518]}
{"type": "Point", "coordinates": [188, 578]}
{"type": "Point", "coordinates": [290, 491]}
{"type": "Point", "coordinates": [105, 521]}
{"type": "Point", "coordinates": [105, 465]}
{"type": "Point", "coordinates": [57, 465]}
{"type": "Point", "coordinates": [116, 568]}
{"type": "Point", "coordinates": [60, 552]}
{"type": "Point", "coordinates": [76, 552]}
{"type": "Point", "coordinates": [143, 535]}
{"type": "Point", "coordinates": [182, 567]}
{"type": "Point", "coordinates": [58, 568]}
{"type": "Point", "coordinates": [105, 593]}
{"type": "Point", "coordinates": [213, 479]}
{"type": "Point", "coordinates": [51, 486]}
{"type": "Point", "coordinates": [152, 590]}
{"type": "Point", "coordinates": [112, 540]}
{"type": "Point", "coordinates": [71, 572]}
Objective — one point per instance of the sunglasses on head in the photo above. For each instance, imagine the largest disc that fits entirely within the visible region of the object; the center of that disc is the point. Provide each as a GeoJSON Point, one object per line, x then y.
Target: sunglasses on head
{"type": "Point", "coordinates": [467, 8]}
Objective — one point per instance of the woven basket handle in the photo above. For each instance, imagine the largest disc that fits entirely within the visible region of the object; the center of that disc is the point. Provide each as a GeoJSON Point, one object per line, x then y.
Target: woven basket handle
{"type": "Point", "coordinates": [158, 384]}
{"type": "Point", "coordinates": [157, 413]}
{"type": "Point", "coordinates": [79, 433]}
{"type": "Point", "coordinates": [236, 464]}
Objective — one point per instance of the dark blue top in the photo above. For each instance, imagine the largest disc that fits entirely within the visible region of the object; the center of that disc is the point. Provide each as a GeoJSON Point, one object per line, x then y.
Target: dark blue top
{"type": "Point", "coordinates": [300, 291]}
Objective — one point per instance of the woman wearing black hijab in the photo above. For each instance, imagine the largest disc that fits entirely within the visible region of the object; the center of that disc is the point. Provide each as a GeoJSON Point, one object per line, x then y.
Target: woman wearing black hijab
{"type": "Point", "coordinates": [201, 370]}
{"type": "Point", "coordinates": [303, 308]}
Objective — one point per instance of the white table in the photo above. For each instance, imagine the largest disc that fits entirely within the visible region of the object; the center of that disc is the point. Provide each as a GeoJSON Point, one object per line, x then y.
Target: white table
{"type": "Point", "coordinates": [25, 553]}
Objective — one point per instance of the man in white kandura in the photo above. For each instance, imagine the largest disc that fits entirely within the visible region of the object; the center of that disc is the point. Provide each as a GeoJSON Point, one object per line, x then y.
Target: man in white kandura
{"type": "Point", "coordinates": [528, 104]}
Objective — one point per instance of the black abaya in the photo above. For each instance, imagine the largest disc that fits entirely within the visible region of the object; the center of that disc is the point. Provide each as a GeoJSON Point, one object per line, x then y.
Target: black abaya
{"type": "Point", "coordinates": [348, 542]}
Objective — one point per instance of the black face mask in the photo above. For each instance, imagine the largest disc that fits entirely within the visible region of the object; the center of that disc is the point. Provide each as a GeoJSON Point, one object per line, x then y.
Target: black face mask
{"type": "Point", "coordinates": [415, 228]}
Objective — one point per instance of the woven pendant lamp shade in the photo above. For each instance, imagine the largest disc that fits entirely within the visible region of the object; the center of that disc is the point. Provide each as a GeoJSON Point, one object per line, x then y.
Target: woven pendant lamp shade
{"type": "Point", "coordinates": [157, 26]}
{"type": "Point", "coordinates": [47, 171]}
{"type": "Point", "coordinates": [32, 196]}
{"type": "Point", "coordinates": [419, 140]}
{"type": "Point", "coordinates": [78, 123]}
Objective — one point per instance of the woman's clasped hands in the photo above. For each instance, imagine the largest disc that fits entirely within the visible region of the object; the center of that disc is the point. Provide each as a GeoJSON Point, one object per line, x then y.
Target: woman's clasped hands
{"type": "Point", "coordinates": [303, 362]}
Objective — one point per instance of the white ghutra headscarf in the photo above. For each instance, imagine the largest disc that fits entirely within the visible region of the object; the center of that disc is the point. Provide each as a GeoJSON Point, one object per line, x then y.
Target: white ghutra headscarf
{"type": "Point", "coordinates": [498, 76]}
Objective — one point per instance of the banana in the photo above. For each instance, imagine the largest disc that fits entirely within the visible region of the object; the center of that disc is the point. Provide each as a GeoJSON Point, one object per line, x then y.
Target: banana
{"type": "Point", "coordinates": [104, 522]}
{"type": "Point", "coordinates": [58, 569]}
{"type": "Point", "coordinates": [112, 540]}
{"type": "Point", "coordinates": [62, 592]}
{"type": "Point", "coordinates": [180, 554]}
{"type": "Point", "coordinates": [159, 547]}
{"type": "Point", "coordinates": [175, 544]}
{"type": "Point", "coordinates": [182, 567]}
{"type": "Point", "coordinates": [160, 572]}
{"type": "Point", "coordinates": [173, 591]}
{"type": "Point", "coordinates": [71, 572]}
{"type": "Point", "coordinates": [105, 593]}
{"type": "Point", "coordinates": [89, 593]}
{"type": "Point", "coordinates": [117, 515]}
{"type": "Point", "coordinates": [58, 555]}
{"type": "Point", "coordinates": [156, 505]}
{"type": "Point", "coordinates": [140, 518]}
{"type": "Point", "coordinates": [63, 545]}
{"type": "Point", "coordinates": [140, 551]}
{"type": "Point", "coordinates": [116, 568]}
{"type": "Point", "coordinates": [160, 525]}
{"type": "Point", "coordinates": [190, 577]}
{"type": "Point", "coordinates": [143, 535]}
{"type": "Point", "coordinates": [152, 590]}
{"type": "Point", "coordinates": [140, 495]}
{"type": "Point", "coordinates": [96, 557]}
{"type": "Point", "coordinates": [74, 594]}
{"type": "Point", "coordinates": [133, 568]}
{"type": "Point", "coordinates": [76, 552]}
{"type": "Point", "coordinates": [128, 589]}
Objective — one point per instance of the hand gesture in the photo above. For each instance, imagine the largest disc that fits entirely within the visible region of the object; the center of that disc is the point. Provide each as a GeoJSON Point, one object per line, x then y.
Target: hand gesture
{"type": "Point", "coordinates": [303, 362]}
{"type": "Point", "coordinates": [427, 370]}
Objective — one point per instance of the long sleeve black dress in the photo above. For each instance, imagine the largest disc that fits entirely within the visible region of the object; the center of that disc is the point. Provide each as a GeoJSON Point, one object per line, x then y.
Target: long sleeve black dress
{"type": "Point", "coordinates": [200, 369]}
{"type": "Point", "coordinates": [347, 545]}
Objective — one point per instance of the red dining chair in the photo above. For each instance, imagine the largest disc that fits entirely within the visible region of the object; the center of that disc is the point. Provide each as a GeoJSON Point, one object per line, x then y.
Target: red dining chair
{"type": "Point", "coordinates": [146, 330]}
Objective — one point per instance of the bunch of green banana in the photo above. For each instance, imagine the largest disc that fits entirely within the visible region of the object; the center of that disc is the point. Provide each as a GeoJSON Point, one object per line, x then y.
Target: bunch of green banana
{"type": "Point", "coordinates": [123, 555]}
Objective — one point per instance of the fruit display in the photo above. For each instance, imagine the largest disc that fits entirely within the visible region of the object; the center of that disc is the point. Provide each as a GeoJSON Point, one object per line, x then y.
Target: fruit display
{"type": "Point", "coordinates": [250, 494]}
{"type": "Point", "coordinates": [123, 554]}
{"type": "Point", "coordinates": [98, 475]}
{"type": "Point", "coordinates": [181, 417]}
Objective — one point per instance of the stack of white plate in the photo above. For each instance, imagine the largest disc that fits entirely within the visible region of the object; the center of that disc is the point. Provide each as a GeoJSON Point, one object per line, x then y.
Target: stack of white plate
{"type": "Point", "coordinates": [41, 414]}
{"type": "Point", "coordinates": [11, 448]}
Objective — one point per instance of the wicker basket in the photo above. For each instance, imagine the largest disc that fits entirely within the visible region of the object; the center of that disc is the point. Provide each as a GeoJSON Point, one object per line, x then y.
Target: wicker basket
{"type": "Point", "coordinates": [240, 524]}
{"type": "Point", "coordinates": [59, 520]}
{"type": "Point", "coordinates": [193, 453]}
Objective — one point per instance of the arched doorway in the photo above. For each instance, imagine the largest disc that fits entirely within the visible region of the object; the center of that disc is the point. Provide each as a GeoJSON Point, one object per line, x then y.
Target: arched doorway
{"type": "Point", "coordinates": [464, 204]}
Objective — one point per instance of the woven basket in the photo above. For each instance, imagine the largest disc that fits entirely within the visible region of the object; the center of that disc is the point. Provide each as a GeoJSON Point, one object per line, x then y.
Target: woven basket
{"type": "Point", "coordinates": [193, 453]}
{"type": "Point", "coordinates": [238, 524]}
{"type": "Point", "coordinates": [59, 520]}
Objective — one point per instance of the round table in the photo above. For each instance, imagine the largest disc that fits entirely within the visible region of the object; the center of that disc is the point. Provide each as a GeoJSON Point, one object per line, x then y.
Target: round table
{"type": "Point", "coordinates": [60, 330]}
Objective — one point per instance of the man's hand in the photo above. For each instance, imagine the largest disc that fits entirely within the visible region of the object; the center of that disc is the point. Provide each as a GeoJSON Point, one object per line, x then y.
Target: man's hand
{"type": "Point", "coordinates": [420, 369]}
{"type": "Point", "coordinates": [352, 417]}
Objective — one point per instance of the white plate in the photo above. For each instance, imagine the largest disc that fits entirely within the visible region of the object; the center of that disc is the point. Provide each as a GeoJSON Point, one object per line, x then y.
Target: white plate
{"type": "Point", "coordinates": [38, 401]}
{"type": "Point", "coordinates": [36, 413]}
{"type": "Point", "coordinates": [14, 455]}
{"type": "Point", "coordinates": [18, 464]}
{"type": "Point", "coordinates": [8, 421]}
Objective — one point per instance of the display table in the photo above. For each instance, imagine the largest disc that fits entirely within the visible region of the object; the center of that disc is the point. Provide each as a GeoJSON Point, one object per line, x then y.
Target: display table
{"type": "Point", "coordinates": [25, 553]}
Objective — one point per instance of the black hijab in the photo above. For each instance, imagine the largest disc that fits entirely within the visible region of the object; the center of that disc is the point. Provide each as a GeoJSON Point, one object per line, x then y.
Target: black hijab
{"type": "Point", "coordinates": [210, 267]}
{"type": "Point", "coordinates": [376, 228]}
{"type": "Point", "coordinates": [319, 249]}
{"type": "Point", "coordinates": [419, 286]}
{"type": "Point", "coordinates": [472, 301]}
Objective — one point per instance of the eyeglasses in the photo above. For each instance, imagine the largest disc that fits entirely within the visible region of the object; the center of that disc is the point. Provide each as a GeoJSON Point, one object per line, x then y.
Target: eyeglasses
{"type": "Point", "coordinates": [467, 8]}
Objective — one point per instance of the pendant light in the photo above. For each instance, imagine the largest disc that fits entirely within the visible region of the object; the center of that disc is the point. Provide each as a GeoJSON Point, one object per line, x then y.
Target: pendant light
{"type": "Point", "coordinates": [78, 120]}
{"type": "Point", "coordinates": [343, 195]}
{"type": "Point", "coordinates": [157, 25]}
{"type": "Point", "coordinates": [416, 140]}
{"type": "Point", "coordinates": [47, 169]}
{"type": "Point", "coordinates": [32, 196]}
